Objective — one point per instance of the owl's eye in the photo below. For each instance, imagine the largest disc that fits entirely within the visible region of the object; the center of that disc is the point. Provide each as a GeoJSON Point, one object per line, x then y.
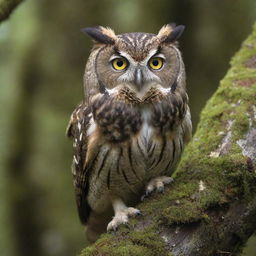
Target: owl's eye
{"type": "Point", "coordinates": [156, 63]}
{"type": "Point", "coordinates": [119, 63]}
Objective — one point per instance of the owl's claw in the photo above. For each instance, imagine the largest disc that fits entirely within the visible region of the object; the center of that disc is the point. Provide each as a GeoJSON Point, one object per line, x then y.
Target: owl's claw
{"type": "Point", "coordinates": [157, 184]}
{"type": "Point", "coordinates": [121, 217]}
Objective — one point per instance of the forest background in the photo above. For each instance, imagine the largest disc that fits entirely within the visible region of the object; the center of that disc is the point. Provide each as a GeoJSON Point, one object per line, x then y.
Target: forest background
{"type": "Point", "coordinates": [42, 59]}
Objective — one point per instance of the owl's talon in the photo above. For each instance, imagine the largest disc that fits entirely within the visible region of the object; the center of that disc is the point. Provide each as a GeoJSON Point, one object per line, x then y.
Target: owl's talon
{"type": "Point", "coordinates": [160, 189]}
{"type": "Point", "coordinates": [133, 212]}
{"type": "Point", "coordinates": [146, 195]}
{"type": "Point", "coordinates": [143, 197]}
{"type": "Point", "coordinates": [157, 184]}
{"type": "Point", "coordinates": [150, 189]}
{"type": "Point", "coordinates": [138, 214]}
{"type": "Point", "coordinates": [121, 217]}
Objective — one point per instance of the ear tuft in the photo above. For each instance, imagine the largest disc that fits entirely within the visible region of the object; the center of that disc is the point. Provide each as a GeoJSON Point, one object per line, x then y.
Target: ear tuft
{"type": "Point", "coordinates": [170, 33]}
{"type": "Point", "coordinates": [100, 34]}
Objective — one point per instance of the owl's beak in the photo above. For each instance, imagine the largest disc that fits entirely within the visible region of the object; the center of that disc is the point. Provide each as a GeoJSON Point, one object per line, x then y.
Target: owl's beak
{"type": "Point", "coordinates": [138, 78]}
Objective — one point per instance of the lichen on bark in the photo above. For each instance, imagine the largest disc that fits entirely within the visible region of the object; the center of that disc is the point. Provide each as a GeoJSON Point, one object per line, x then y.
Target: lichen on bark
{"type": "Point", "coordinates": [211, 206]}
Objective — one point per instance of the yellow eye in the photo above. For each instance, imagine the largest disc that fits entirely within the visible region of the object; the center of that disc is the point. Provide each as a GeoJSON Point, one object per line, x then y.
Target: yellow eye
{"type": "Point", "coordinates": [156, 63]}
{"type": "Point", "coordinates": [119, 63]}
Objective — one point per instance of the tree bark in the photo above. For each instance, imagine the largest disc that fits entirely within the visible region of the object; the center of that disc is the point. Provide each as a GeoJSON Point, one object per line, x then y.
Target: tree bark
{"type": "Point", "coordinates": [210, 209]}
{"type": "Point", "coordinates": [7, 7]}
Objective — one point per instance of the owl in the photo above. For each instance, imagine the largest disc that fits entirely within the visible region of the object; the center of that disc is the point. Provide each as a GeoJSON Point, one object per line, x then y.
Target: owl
{"type": "Point", "coordinates": [129, 131]}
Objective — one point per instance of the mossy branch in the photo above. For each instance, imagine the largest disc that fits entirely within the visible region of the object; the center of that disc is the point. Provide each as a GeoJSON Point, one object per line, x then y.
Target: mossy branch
{"type": "Point", "coordinates": [211, 207]}
{"type": "Point", "coordinates": [6, 8]}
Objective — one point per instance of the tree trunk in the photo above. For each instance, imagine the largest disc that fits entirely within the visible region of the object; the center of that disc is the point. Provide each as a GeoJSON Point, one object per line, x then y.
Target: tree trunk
{"type": "Point", "coordinates": [210, 209]}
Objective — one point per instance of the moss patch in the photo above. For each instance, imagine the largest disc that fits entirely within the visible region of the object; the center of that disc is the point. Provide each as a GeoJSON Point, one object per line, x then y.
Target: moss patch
{"type": "Point", "coordinates": [137, 243]}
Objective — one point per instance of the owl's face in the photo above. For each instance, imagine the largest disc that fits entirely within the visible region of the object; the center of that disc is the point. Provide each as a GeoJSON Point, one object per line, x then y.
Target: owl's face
{"type": "Point", "coordinates": [138, 61]}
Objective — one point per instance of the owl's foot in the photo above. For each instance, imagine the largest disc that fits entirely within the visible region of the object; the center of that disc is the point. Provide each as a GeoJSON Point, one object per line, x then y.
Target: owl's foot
{"type": "Point", "coordinates": [157, 184]}
{"type": "Point", "coordinates": [122, 214]}
{"type": "Point", "coordinates": [122, 217]}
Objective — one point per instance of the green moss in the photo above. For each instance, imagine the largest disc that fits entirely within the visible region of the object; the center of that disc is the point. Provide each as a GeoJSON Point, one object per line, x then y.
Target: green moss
{"type": "Point", "coordinates": [136, 243]}
{"type": "Point", "coordinates": [184, 212]}
{"type": "Point", "coordinates": [204, 179]}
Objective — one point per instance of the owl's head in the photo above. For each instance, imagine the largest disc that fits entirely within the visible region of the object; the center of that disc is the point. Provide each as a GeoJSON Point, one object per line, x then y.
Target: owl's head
{"type": "Point", "coordinates": [138, 61]}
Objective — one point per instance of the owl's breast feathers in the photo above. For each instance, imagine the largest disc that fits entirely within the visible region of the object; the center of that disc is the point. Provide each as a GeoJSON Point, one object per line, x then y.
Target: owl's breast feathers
{"type": "Point", "coordinates": [120, 117]}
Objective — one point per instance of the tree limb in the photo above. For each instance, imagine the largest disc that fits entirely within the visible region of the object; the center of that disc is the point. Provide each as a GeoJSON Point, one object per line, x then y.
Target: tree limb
{"type": "Point", "coordinates": [6, 8]}
{"type": "Point", "coordinates": [211, 207]}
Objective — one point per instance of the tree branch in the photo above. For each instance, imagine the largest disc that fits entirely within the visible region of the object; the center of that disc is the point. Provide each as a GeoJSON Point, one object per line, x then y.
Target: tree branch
{"type": "Point", "coordinates": [6, 8]}
{"type": "Point", "coordinates": [211, 207]}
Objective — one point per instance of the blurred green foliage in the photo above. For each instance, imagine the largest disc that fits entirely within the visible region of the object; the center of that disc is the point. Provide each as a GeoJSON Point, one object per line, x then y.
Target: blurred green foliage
{"type": "Point", "coordinates": [42, 58]}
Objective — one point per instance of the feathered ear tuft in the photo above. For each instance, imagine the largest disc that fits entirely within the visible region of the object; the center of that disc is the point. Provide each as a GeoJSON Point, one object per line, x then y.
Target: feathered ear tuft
{"type": "Point", "coordinates": [101, 34]}
{"type": "Point", "coordinates": [170, 33]}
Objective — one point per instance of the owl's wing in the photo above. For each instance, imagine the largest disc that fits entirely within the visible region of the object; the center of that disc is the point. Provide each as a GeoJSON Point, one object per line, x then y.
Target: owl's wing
{"type": "Point", "coordinates": [76, 130]}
